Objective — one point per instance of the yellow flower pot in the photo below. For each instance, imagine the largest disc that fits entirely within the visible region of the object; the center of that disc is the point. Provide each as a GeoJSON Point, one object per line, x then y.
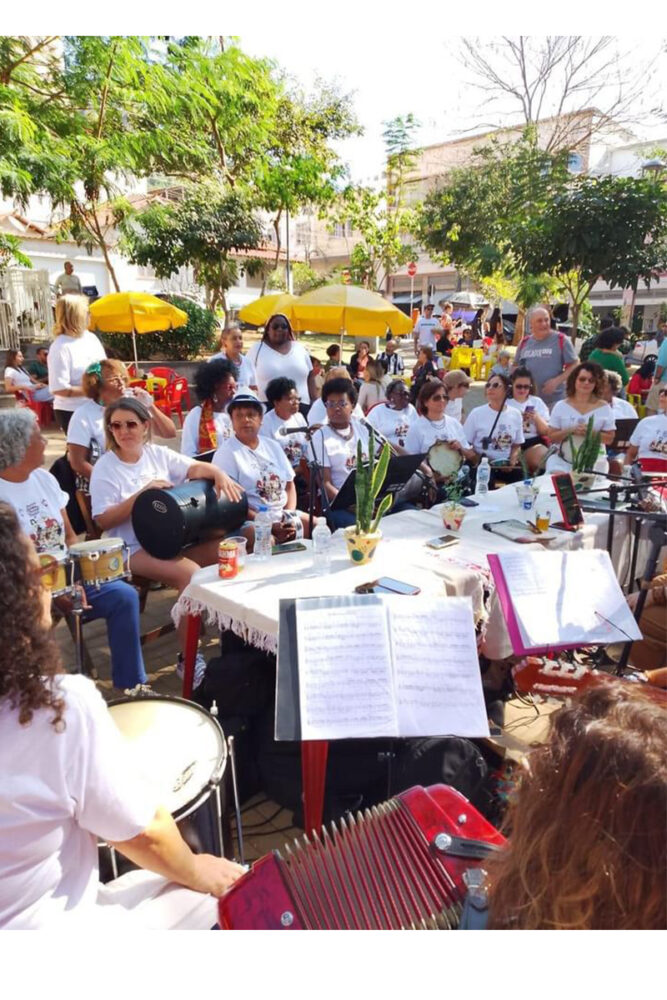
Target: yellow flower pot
{"type": "Point", "coordinates": [361, 546]}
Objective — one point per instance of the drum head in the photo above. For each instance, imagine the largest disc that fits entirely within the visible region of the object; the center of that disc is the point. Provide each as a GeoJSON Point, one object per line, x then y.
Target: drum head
{"type": "Point", "coordinates": [444, 461]}
{"type": "Point", "coordinates": [177, 746]}
{"type": "Point", "coordinates": [96, 545]}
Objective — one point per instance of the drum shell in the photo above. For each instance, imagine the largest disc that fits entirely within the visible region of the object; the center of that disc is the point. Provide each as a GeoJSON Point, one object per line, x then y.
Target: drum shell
{"type": "Point", "coordinates": [58, 578]}
{"type": "Point", "coordinates": [100, 561]}
{"type": "Point", "coordinates": [165, 521]}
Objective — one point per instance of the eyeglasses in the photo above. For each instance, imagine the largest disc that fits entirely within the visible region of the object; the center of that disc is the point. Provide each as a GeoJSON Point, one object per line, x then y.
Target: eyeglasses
{"type": "Point", "coordinates": [117, 425]}
{"type": "Point", "coordinates": [279, 326]}
{"type": "Point", "coordinates": [584, 378]}
{"type": "Point", "coordinates": [337, 405]}
{"type": "Point", "coordinates": [495, 385]}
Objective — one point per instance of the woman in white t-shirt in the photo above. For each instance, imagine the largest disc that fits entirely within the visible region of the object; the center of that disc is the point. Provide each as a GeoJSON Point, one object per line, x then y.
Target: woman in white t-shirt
{"type": "Point", "coordinates": [278, 354]}
{"type": "Point", "coordinates": [534, 414]}
{"type": "Point", "coordinates": [68, 780]}
{"type": "Point", "coordinates": [261, 467]}
{"type": "Point", "coordinates": [208, 425]}
{"type": "Point", "coordinates": [73, 350]}
{"type": "Point", "coordinates": [583, 401]}
{"type": "Point", "coordinates": [132, 465]}
{"type": "Point", "coordinates": [495, 429]}
{"type": "Point", "coordinates": [317, 414]}
{"type": "Point", "coordinates": [19, 379]}
{"type": "Point", "coordinates": [648, 443]}
{"type": "Point", "coordinates": [282, 396]}
{"type": "Point", "coordinates": [433, 425]}
{"type": "Point", "coordinates": [394, 418]}
{"type": "Point", "coordinates": [231, 348]}
{"type": "Point", "coordinates": [372, 390]}
{"type": "Point", "coordinates": [104, 382]}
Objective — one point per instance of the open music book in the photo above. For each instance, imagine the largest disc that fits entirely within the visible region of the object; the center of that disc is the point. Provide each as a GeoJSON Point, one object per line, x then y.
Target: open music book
{"type": "Point", "coordinates": [372, 665]}
{"type": "Point", "coordinates": [561, 600]}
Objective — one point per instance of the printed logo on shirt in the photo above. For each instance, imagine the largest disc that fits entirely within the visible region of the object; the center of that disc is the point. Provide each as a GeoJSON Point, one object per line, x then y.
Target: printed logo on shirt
{"type": "Point", "coordinates": [658, 445]}
{"type": "Point", "coordinates": [401, 430]}
{"type": "Point", "coordinates": [45, 531]}
{"type": "Point", "coordinates": [293, 451]}
{"type": "Point", "coordinates": [502, 441]}
{"type": "Point", "coordinates": [269, 487]}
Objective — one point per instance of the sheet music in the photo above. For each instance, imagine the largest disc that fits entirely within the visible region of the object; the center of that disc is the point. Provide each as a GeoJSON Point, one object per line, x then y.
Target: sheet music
{"type": "Point", "coordinates": [436, 669]}
{"type": "Point", "coordinates": [345, 677]}
{"type": "Point", "coordinates": [567, 597]}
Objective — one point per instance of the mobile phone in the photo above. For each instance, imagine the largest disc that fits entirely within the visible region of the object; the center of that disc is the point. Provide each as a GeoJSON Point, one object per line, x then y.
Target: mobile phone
{"type": "Point", "coordinates": [385, 585]}
{"type": "Point", "coordinates": [568, 501]}
{"type": "Point", "coordinates": [442, 541]}
{"type": "Point", "coordinates": [277, 550]}
{"type": "Point", "coordinates": [468, 502]}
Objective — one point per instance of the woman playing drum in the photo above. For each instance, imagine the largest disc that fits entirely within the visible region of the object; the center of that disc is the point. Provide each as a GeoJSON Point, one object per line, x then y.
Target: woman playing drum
{"type": "Point", "coordinates": [40, 505]}
{"type": "Point", "coordinates": [132, 465]}
{"type": "Point", "coordinates": [261, 467]}
{"type": "Point", "coordinates": [433, 425]}
{"type": "Point", "coordinates": [67, 780]}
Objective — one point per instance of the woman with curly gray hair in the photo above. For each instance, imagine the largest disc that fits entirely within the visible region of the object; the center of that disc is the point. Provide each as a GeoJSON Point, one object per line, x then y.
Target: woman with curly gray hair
{"type": "Point", "coordinates": [67, 779]}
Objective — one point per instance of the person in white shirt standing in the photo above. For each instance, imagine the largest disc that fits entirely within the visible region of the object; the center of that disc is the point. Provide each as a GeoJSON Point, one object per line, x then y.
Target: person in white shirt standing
{"type": "Point", "coordinates": [427, 330]}
{"type": "Point", "coordinates": [68, 282]}
{"type": "Point", "coordinates": [67, 780]}
{"type": "Point", "coordinates": [73, 349]}
{"type": "Point", "coordinates": [231, 348]}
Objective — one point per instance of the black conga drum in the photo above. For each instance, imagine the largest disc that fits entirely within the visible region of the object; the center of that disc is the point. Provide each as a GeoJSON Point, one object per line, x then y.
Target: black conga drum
{"type": "Point", "coordinates": [166, 521]}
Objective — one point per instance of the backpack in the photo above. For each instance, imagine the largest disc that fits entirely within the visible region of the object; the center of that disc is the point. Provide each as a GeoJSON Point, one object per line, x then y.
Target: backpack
{"type": "Point", "coordinates": [561, 343]}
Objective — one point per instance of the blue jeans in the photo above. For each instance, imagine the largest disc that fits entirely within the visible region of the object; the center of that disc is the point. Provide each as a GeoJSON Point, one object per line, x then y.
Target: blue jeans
{"type": "Point", "coordinates": [118, 603]}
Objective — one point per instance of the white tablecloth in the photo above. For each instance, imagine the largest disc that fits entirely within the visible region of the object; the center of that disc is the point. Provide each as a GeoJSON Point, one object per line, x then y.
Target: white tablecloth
{"type": "Point", "coordinates": [248, 605]}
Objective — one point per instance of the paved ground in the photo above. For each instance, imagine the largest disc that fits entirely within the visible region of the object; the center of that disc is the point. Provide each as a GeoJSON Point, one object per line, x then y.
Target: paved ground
{"type": "Point", "coordinates": [266, 825]}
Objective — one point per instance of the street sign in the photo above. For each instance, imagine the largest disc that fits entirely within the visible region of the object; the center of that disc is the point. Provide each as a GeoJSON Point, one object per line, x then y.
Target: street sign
{"type": "Point", "coordinates": [412, 268]}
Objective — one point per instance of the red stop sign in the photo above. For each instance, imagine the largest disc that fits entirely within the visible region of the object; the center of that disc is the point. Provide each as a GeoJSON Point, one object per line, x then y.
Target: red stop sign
{"type": "Point", "coordinates": [412, 268]}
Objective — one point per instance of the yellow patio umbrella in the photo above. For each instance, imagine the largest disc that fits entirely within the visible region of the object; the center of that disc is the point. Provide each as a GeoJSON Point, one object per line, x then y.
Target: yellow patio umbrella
{"type": "Point", "coordinates": [349, 309]}
{"type": "Point", "coordinates": [260, 310]}
{"type": "Point", "coordinates": [134, 312]}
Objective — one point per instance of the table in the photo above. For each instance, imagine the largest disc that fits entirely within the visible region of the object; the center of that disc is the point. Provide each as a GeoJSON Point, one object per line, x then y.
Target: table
{"type": "Point", "coordinates": [249, 604]}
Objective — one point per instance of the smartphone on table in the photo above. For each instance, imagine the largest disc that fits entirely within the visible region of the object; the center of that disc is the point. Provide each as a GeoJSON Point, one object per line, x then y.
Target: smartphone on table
{"type": "Point", "coordinates": [385, 585]}
{"type": "Point", "coordinates": [442, 541]}
{"type": "Point", "coordinates": [278, 550]}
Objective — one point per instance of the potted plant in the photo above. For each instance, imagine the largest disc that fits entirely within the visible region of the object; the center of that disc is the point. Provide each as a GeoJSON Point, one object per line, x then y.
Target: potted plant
{"type": "Point", "coordinates": [453, 511]}
{"type": "Point", "coordinates": [584, 457]}
{"type": "Point", "coordinates": [362, 538]}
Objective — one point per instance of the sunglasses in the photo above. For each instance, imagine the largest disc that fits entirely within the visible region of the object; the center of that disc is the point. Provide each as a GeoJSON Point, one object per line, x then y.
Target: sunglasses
{"type": "Point", "coordinates": [583, 378]}
{"type": "Point", "coordinates": [117, 425]}
{"type": "Point", "coordinates": [495, 385]}
{"type": "Point", "coordinates": [279, 326]}
{"type": "Point", "coordinates": [331, 405]}
{"type": "Point", "coordinates": [440, 399]}
{"type": "Point", "coordinates": [521, 387]}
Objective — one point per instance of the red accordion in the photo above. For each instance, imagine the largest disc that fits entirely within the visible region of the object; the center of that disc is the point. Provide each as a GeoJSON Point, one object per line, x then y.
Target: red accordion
{"type": "Point", "coordinates": [403, 864]}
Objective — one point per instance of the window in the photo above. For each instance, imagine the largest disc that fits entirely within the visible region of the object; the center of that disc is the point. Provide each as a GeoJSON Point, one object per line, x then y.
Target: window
{"type": "Point", "coordinates": [575, 163]}
{"type": "Point", "coordinates": [303, 233]}
{"type": "Point", "coordinates": [342, 229]}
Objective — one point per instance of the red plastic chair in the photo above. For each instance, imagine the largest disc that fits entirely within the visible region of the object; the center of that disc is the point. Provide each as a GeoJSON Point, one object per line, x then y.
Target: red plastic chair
{"type": "Point", "coordinates": [171, 376]}
{"type": "Point", "coordinates": [42, 410]}
{"type": "Point", "coordinates": [174, 396]}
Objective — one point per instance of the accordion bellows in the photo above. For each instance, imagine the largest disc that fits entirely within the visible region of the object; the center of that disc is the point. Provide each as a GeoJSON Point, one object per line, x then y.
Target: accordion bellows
{"type": "Point", "coordinates": [398, 865]}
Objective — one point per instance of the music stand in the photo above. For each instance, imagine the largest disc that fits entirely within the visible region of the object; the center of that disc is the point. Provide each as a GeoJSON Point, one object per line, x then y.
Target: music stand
{"type": "Point", "coordinates": [400, 469]}
{"type": "Point", "coordinates": [624, 429]}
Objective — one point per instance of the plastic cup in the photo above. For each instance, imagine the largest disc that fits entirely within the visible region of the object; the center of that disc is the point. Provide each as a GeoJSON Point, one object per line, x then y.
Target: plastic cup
{"type": "Point", "coordinates": [241, 544]}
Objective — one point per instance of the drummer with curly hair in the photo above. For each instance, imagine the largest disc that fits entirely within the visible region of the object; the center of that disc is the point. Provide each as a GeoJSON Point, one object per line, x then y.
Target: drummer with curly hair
{"type": "Point", "coordinates": [67, 780]}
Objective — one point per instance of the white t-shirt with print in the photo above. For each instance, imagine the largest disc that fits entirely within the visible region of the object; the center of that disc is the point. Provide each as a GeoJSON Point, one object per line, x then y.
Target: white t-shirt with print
{"type": "Point", "coordinates": [565, 416]}
{"type": "Point", "coordinates": [67, 361]}
{"type": "Point", "coordinates": [190, 432]}
{"type": "Point", "coordinates": [113, 481]}
{"type": "Point", "coordinates": [394, 424]}
{"type": "Point", "coordinates": [428, 331]}
{"type": "Point", "coordinates": [39, 503]}
{"type": "Point", "coordinates": [60, 793]}
{"type": "Point", "coordinates": [317, 414]}
{"type": "Point", "coordinates": [338, 454]}
{"type": "Point", "coordinates": [86, 425]}
{"type": "Point", "coordinates": [247, 374]}
{"type": "Point", "coordinates": [650, 436]}
{"type": "Point", "coordinates": [294, 446]}
{"type": "Point", "coordinates": [425, 432]}
{"type": "Point", "coordinates": [507, 432]}
{"type": "Point", "coordinates": [270, 364]}
{"type": "Point", "coordinates": [537, 405]}
{"type": "Point", "coordinates": [263, 472]}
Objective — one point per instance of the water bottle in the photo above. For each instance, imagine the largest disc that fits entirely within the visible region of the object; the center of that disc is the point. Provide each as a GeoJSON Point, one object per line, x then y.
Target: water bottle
{"type": "Point", "coordinates": [263, 523]}
{"type": "Point", "coordinates": [321, 547]}
{"type": "Point", "coordinates": [483, 476]}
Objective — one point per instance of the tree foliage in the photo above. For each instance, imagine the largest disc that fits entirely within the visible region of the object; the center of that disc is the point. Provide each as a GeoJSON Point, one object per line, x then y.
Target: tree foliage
{"type": "Point", "coordinates": [11, 254]}
{"type": "Point", "coordinates": [203, 231]}
{"type": "Point", "coordinates": [180, 344]}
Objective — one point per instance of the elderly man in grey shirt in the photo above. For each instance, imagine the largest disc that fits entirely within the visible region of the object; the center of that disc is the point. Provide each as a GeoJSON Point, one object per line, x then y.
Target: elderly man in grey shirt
{"type": "Point", "coordinates": [67, 283]}
{"type": "Point", "coordinates": [549, 355]}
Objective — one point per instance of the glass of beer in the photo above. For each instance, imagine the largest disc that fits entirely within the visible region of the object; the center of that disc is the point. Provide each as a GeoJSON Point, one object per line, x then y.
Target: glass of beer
{"type": "Point", "coordinates": [542, 518]}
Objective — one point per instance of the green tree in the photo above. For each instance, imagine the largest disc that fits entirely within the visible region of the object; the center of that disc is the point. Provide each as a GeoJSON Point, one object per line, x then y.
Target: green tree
{"type": "Point", "coordinates": [304, 279]}
{"type": "Point", "coordinates": [203, 231]}
{"type": "Point", "coordinates": [11, 254]}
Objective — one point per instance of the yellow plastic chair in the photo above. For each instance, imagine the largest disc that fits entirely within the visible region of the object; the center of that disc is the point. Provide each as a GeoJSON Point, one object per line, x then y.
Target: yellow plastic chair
{"type": "Point", "coordinates": [477, 359]}
{"type": "Point", "coordinates": [462, 357]}
{"type": "Point", "coordinates": [636, 401]}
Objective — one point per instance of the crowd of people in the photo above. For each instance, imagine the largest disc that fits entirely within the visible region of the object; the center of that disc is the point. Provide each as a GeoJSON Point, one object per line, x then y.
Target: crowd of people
{"type": "Point", "coordinates": [258, 420]}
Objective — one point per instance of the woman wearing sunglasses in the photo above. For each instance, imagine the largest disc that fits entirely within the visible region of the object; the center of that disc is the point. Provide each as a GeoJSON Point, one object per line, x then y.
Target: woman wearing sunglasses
{"type": "Point", "coordinates": [534, 414]}
{"type": "Point", "coordinates": [495, 429]}
{"type": "Point", "coordinates": [648, 443]}
{"type": "Point", "coordinates": [433, 424]}
{"type": "Point", "coordinates": [583, 400]}
{"type": "Point", "coordinates": [131, 465]}
{"type": "Point", "coordinates": [395, 417]}
{"type": "Point", "coordinates": [278, 355]}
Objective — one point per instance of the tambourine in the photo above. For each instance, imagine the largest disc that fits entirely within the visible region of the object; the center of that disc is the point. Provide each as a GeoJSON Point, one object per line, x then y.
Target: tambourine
{"type": "Point", "coordinates": [444, 460]}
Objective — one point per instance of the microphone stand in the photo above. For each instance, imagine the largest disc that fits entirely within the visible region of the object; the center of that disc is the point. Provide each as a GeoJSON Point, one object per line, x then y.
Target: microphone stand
{"type": "Point", "coordinates": [316, 483]}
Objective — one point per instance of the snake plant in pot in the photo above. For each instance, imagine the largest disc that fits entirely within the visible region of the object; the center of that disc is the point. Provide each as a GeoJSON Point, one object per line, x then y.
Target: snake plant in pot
{"type": "Point", "coordinates": [362, 538]}
{"type": "Point", "coordinates": [584, 456]}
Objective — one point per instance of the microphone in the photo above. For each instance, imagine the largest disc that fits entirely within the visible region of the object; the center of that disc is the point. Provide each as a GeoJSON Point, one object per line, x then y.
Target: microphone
{"type": "Point", "coordinates": [287, 431]}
